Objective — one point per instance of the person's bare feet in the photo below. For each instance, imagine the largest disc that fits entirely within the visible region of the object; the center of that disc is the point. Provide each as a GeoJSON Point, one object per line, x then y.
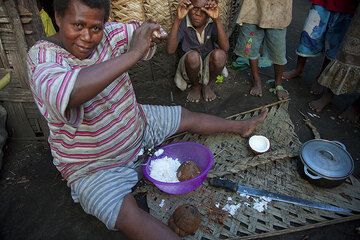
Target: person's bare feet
{"type": "Point", "coordinates": [194, 94]}
{"type": "Point", "coordinates": [318, 105]}
{"type": "Point", "coordinates": [256, 90]}
{"type": "Point", "coordinates": [350, 114]}
{"type": "Point", "coordinates": [291, 74]}
{"type": "Point", "coordinates": [316, 88]}
{"type": "Point", "coordinates": [208, 93]}
{"type": "Point", "coordinates": [253, 122]}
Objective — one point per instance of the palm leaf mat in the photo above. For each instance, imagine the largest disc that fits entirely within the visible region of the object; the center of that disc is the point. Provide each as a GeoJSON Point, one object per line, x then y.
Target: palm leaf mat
{"type": "Point", "coordinates": [261, 172]}
{"type": "Point", "coordinates": [231, 152]}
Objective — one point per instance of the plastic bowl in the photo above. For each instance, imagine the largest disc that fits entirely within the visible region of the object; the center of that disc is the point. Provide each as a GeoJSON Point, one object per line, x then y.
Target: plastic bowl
{"type": "Point", "coordinates": [183, 151]}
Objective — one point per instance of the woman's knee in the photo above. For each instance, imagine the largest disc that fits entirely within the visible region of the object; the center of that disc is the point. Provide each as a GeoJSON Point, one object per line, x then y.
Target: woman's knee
{"type": "Point", "coordinates": [185, 121]}
{"type": "Point", "coordinates": [218, 58]}
{"type": "Point", "coordinates": [192, 60]}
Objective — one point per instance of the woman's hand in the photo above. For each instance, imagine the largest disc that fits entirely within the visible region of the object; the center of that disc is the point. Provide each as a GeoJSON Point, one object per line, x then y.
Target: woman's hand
{"type": "Point", "coordinates": [143, 38]}
{"type": "Point", "coordinates": [212, 10]}
{"type": "Point", "coordinates": [183, 8]}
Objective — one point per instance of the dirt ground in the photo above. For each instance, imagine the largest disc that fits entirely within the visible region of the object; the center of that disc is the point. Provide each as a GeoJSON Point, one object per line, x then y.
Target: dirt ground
{"type": "Point", "coordinates": [35, 202]}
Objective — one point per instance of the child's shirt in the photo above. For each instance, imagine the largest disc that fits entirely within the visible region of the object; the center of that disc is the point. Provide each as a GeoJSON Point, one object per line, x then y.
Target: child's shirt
{"type": "Point", "coordinates": [190, 39]}
{"type": "Point", "coordinates": [266, 13]}
{"type": "Point", "coordinates": [341, 6]}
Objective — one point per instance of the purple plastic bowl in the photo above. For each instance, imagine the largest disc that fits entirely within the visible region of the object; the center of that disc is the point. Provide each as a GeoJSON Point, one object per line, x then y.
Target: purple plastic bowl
{"type": "Point", "coordinates": [183, 151]}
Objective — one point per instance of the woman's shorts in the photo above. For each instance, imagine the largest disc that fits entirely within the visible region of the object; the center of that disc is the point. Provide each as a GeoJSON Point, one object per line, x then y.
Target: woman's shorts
{"type": "Point", "coordinates": [323, 32]}
{"type": "Point", "coordinates": [101, 194]}
{"type": "Point", "coordinates": [251, 38]}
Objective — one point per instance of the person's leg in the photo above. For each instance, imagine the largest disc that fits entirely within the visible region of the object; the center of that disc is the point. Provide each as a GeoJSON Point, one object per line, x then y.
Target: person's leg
{"type": "Point", "coordinates": [256, 89]}
{"type": "Point", "coordinates": [312, 39]}
{"type": "Point", "coordinates": [316, 88]}
{"type": "Point", "coordinates": [135, 223]}
{"type": "Point", "coordinates": [281, 93]}
{"type": "Point", "coordinates": [298, 70]}
{"type": "Point", "coordinates": [216, 63]}
{"type": "Point", "coordinates": [337, 26]}
{"type": "Point", "coordinates": [319, 104]}
{"type": "Point", "coordinates": [275, 43]}
{"type": "Point", "coordinates": [206, 124]}
{"type": "Point", "coordinates": [193, 64]}
{"type": "Point", "coordinates": [248, 46]}
{"type": "Point", "coordinates": [352, 113]}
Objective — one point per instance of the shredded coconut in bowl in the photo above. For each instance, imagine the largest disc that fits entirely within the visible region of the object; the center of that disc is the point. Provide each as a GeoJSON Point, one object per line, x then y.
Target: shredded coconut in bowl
{"type": "Point", "coordinates": [164, 169]}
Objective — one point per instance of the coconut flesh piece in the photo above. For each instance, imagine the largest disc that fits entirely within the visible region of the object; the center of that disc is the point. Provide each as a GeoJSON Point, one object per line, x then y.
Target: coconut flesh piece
{"type": "Point", "coordinates": [259, 143]}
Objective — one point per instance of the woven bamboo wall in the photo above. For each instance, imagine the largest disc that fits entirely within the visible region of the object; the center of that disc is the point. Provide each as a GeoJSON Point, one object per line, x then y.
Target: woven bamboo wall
{"type": "Point", "coordinates": [163, 11]}
{"type": "Point", "coordinates": [20, 27]}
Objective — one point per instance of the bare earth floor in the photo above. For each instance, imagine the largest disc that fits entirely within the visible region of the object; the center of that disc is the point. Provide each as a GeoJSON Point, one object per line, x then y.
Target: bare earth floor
{"type": "Point", "coordinates": [35, 202]}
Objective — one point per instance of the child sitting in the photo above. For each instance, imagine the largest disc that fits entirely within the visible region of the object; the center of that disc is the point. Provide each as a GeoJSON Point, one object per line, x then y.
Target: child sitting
{"type": "Point", "coordinates": [202, 41]}
{"type": "Point", "coordinates": [264, 21]}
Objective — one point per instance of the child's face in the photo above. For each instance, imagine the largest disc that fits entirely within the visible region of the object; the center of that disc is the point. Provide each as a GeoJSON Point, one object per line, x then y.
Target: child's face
{"type": "Point", "coordinates": [198, 17]}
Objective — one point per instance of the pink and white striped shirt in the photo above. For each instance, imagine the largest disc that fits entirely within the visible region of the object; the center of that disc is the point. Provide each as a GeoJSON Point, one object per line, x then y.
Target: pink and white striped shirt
{"type": "Point", "coordinates": [102, 133]}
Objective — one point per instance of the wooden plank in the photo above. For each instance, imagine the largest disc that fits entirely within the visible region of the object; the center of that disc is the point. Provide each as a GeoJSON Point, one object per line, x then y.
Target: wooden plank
{"type": "Point", "coordinates": [16, 95]}
{"type": "Point", "coordinates": [34, 29]}
{"type": "Point", "coordinates": [17, 122]}
{"type": "Point", "coordinates": [302, 228]}
{"type": "Point", "coordinates": [19, 61]}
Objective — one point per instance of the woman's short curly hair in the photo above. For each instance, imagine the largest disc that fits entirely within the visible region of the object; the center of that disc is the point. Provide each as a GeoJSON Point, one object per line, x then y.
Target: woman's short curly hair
{"type": "Point", "coordinates": [60, 6]}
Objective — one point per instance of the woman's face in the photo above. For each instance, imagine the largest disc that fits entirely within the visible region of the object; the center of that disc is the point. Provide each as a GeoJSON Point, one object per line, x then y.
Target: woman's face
{"type": "Point", "coordinates": [80, 29]}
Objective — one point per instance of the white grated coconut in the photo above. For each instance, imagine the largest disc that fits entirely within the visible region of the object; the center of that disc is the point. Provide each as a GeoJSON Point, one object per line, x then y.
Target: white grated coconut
{"type": "Point", "coordinates": [159, 152]}
{"type": "Point", "coordinates": [260, 204]}
{"type": "Point", "coordinates": [164, 169]}
{"type": "Point", "coordinates": [162, 203]}
{"type": "Point", "coordinates": [231, 208]}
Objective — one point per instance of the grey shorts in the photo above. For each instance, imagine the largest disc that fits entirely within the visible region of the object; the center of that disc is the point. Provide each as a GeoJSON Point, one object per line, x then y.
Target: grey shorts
{"type": "Point", "coordinates": [101, 194]}
{"type": "Point", "coordinates": [251, 37]}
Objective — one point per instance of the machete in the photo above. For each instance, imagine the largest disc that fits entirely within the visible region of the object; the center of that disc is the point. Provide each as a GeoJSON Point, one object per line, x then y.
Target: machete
{"type": "Point", "coordinates": [242, 189]}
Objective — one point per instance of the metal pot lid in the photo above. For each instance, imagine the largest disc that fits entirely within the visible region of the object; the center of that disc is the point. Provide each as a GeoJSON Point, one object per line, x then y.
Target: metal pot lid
{"type": "Point", "coordinates": [328, 159]}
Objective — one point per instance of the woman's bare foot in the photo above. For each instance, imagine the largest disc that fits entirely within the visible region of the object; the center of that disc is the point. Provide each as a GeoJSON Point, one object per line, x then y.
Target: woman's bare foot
{"type": "Point", "coordinates": [194, 94]}
{"type": "Point", "coordinates": [316, 88]}
{"type": "Point", "coordinates": [250, 124]}
{"type": "Point", "coordinates": [351, 114]}
{"type": "Point", "coordinates": [292, 74]}
{"type": "Point", "coordinates": [318, 105]}
{"type": "Point", "coordinates": [256, 90]}
{"type": "Point", "coordinates": [208, 93]}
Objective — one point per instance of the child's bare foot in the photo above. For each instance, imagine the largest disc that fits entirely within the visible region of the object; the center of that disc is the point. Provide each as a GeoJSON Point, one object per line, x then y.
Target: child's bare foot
{"type": "Point", "coordinates": [194, 94]}
{"type": "Point", "coordinates": [350, 114]}
{"type": "Point", "coordinates": [253, 122]}
{"type": "Point", "coordinates": [208, 93]}
{"type": "Point", "coordinates": [256, 90]}
{"type": "Point", "coordinates": [318, 105]}
{"type": "Point", "coordinates": [291, 74]}
{"type": "Point", "coordinates": [316, 88]}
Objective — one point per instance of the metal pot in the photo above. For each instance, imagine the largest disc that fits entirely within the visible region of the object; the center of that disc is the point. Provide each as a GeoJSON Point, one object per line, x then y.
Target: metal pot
{"type": "Point", "coordinates": [325, 163]}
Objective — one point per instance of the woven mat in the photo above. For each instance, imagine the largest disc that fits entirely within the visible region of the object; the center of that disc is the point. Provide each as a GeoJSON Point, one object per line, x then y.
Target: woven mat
{"type": "Point", "coordinates": [240, 165]}
{"type": "Point", "coordinates": [231, 152]}
{"type": "Point", "coordinates": [280, 177]}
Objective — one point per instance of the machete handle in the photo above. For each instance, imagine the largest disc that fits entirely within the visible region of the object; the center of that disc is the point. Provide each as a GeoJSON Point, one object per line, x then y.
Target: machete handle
{"type": "Point", "coordinates": [223, 183]}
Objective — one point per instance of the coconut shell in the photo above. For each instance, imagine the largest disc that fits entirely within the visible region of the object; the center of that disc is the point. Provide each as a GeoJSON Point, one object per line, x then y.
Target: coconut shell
{"type": "Point", "coordinates": [185, 220]}
{"type": "Point", "coordinates": [187, 170]}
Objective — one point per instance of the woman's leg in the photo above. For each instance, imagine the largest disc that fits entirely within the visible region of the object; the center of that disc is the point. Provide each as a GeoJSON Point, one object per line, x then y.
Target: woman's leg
{"type": "Point", "coordinates": [206, 124]}
{"type": "Point", "coordinates": [135, 223]}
